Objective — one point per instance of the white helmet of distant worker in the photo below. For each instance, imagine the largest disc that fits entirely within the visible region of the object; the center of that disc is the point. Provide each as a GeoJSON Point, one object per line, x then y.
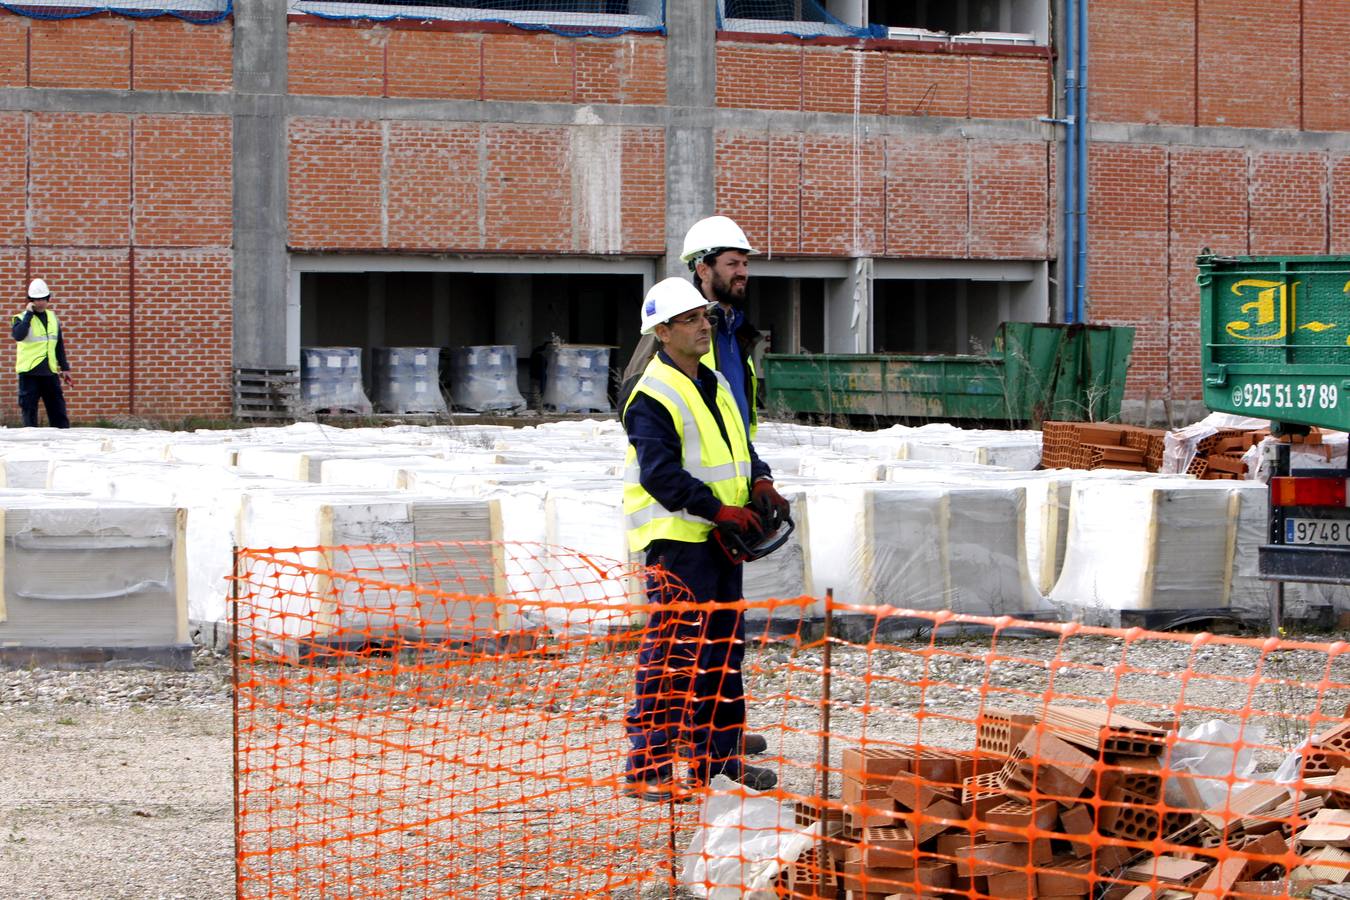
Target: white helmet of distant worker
{"type": "Point", "coordinates": [37, 290]}
{"type": "Point", "coordinates": [667, 299]}
{"type": "Point", "coordinates": [713, 234]}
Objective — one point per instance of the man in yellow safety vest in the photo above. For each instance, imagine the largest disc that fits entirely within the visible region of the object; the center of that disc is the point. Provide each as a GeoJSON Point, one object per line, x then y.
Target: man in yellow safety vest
{"type": "Point", "coordinates": [41, 358]}
{"type": "Point", "coordinates": [690, 468]}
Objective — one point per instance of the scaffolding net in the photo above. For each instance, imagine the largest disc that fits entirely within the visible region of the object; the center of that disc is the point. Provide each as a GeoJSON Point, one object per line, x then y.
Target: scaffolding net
{"type": "Point", "coordinates": [459, 720]}
{"type": "Point", "coordinates": [576, 18]}
{"type": "Point", "coordinates": [199, 12]}
{"type": "Point", "coordinates": [802, 18]}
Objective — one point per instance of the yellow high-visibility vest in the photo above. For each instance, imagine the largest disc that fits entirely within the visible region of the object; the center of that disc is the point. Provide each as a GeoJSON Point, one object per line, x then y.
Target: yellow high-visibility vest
{"type": "Point", "coordinates": [751, 388]}
{"type": "Point", "coordinates": [38, 345]}
{"type": "Point", "coordinates": [707, 456]}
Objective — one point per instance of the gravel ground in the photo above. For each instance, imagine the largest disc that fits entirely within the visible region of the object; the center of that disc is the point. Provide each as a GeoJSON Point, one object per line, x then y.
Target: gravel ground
{"type": "Point", "coordinates": [117, 783]}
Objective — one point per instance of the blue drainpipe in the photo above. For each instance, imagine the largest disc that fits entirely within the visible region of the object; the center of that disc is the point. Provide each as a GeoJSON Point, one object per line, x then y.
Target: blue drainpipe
{"type": "Point", "coordinates": [1081, 127]}
{"type": "Point", "coordinates": [1068, 262]}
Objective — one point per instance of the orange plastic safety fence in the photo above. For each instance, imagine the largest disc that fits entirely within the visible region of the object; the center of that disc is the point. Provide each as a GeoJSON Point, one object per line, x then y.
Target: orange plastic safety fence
{"type": "Point", "coordinates": [464, 720]}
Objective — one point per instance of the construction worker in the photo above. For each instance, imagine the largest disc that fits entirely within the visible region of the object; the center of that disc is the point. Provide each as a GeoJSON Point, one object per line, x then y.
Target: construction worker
{"type": "Point", "coordinates": [41, 358]}
{"type": "Point", "coordinates": [718, 254]}
{"type": "Point", "coordinates": [690, 468]}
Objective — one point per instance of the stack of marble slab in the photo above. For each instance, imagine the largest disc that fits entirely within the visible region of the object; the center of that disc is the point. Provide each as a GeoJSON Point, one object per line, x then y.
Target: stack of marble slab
{"type": "Point", "coordinates": [90, 580]}
{"type": "Point", "coordinates": [1163, 545]}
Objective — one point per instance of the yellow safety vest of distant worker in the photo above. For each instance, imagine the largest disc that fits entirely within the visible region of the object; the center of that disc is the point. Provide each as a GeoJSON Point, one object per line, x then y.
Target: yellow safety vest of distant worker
{"type": "Point", "coordinates": [709, 359]}
{"type": "Point", "coordinates": [39, 344]}
{"type": "Point", "coordinates": [723, 467]}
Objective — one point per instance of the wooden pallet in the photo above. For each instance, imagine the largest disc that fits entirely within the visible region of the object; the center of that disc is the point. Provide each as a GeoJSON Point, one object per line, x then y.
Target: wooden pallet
{"type": "Point", "coordinates": [266, 393]}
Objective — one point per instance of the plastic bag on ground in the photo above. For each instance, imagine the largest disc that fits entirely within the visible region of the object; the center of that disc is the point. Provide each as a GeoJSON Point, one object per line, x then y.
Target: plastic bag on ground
{"type": "Point", "coordinates": [744, 839]}
{"type": "Point", "coordinates": [1215, 751]}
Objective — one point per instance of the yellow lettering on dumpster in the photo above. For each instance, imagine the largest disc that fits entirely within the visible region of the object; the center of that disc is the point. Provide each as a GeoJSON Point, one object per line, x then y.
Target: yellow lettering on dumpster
{"type": "Point", "coordinates": [1267, 312]}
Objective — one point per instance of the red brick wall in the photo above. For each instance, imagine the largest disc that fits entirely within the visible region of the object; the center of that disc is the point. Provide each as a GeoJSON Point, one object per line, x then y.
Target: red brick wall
{"type": "Point", "coordinates": [111, 53]}
{"type": "Point", "coordinates": [904, 197]}
{"type": "Point", "coordinates": [466, 187]}
{"type": "Point", "coordinates": [872, 82]}
{"type": "Point", "coordinates": [355, 59]}
{"type": "Point", "coordinates": [1142, 66]}
{"type": "Point", "coordinates": [1326, 66]}
{"type": "Point", "coordinates": [1154, 208]}
{"type": "Point", "coordinates": [128, 220]}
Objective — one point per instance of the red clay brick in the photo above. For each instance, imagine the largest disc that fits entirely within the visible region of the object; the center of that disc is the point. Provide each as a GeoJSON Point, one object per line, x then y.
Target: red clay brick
{"type": "Point", "coordinates": [1008, 200]}
{"type": "Point", "coordinates": [1143, 62]}
{"type": "Point", "coordinates": [13, 171]}
{"type": "Point", "coordinates": [91, 52]}
{"type": "Point", "coordinates": [759, 76]}
{"type": "Point", "coordinates": [741, 193]}
{"type": "Point", "coordinates": [336, 60]}
{"type": "Point", "coordinates": [630, 70]}
{"type": "Point", "coordinates": [1014, 87]}
{"type": "Point", "coordinates": [927, 84]}
{"type": "Point", "coordinates": [80, 181]}
{"type": "Point", "coordinates": [644, 190]}
{"type": "Point", "coordinates": [173, 55]}
{"type": "Point", "coordinates": [1249, 63]}
{"type": "Point", "coordinates": [927, 199]}
{"type": "Point", "coordinates": [13, 50]}
{"type": "Point", "coordinates": [528, 204]}
{"type": "Point", "coordinates": [334, 195]}
{"type": "Point", "coordinates": [440, 64]}
{"type": "Point", "coordinates": [843, 195]}
{"type": "Point", "coordinates": [1288, 203]}
{"type": "Point", "coordinates": [182, 181]}
{"type": "Point", "coordinates": [1340, 204]}
{"type": "Point", "coordinates": [842, 80]}
{"type": "Point", "coordinates": [435, 186]}
{"type": "Point", "coordinates": [1326, 66]}
{"type": "Point", "coordinates": [783, 228]}
{"type": "Point", "coordinates": [537, 67]}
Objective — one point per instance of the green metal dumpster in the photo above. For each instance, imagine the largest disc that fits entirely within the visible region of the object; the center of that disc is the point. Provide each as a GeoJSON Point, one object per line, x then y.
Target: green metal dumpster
{"type": "Point", "coordinates": [1035, 371]}
{"type": "Point", "coordinates": [1276, 337]}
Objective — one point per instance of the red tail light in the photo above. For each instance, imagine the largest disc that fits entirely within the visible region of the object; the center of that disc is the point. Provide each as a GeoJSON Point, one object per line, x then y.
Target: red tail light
{"type": "Point", "coordinates": [1307, 492]}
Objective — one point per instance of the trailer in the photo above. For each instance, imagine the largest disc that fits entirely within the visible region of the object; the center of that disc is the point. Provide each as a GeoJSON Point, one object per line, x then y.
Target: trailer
{"type": "Point", "coordinates": [1276, 345]}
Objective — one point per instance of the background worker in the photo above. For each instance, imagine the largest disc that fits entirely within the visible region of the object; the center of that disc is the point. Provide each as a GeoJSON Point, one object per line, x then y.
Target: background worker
{"type": "Point", "coordinates": [718, 254]}
{"type": "Point", "coordinates": [40, 359]}
{"type": "Point", "coordinates": [690, 468]}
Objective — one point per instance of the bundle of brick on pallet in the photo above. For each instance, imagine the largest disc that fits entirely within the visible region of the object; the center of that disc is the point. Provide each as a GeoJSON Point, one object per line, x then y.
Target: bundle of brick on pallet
{"type": "Point", "coordinates": [1068, 805]}
{"type": "Point", "coordinates": [1080, 445]}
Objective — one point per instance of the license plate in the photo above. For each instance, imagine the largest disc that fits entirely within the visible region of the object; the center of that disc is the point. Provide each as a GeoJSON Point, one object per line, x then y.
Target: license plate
{"type": "Point", "coordinates": [1317, 531]}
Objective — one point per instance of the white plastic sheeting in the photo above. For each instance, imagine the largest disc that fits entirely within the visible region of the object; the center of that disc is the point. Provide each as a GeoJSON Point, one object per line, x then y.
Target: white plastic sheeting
{"type": "Point", "coordinates": [1163, 544]}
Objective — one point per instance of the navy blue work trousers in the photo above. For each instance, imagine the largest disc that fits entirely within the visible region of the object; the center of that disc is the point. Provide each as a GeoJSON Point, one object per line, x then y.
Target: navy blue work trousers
{"type": "Point", "coordinates": [46, 388]}
{"type": "Point", "coordinates": [689, 687]}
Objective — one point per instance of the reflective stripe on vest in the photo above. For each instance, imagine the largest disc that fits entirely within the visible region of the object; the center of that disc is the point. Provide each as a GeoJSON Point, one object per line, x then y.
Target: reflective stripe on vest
{"type": "Point", "coordinates": [751, 387]}
{"type": "Point", "coordinates": [705, 455]}
{"type": "Point", "coordinates": [38, 345]}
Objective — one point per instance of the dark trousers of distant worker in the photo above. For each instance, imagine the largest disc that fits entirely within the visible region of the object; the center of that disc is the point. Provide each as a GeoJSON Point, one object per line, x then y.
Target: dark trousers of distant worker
{"type": "Point", "coordinates": [689, 686]}
{"type": "Point", "coordinates": [46, 388]}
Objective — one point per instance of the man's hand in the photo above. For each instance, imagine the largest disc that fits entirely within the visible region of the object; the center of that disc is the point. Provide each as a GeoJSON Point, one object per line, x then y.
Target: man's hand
{"type": "Point", "coordinates": [739, 519]}
{"type": "Point", "coordinates": [29, 307]}
{"type": "Point", "coordinates": [65, 376]}
{"type": "Point", "coordinates": [771, 505]}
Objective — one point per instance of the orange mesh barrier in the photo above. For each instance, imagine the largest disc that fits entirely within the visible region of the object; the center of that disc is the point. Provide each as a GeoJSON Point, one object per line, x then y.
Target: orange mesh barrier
{"type": "Point", "coordinates": [460, 720]}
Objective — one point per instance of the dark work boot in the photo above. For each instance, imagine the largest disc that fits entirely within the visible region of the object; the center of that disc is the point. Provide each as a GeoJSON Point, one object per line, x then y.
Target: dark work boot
{"type": "Point", "coordinates": [753, 744]}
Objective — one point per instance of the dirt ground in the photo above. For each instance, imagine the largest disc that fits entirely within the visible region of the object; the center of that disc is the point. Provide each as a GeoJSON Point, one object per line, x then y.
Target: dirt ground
{"type": "Point", "coordinates": [117, 784]}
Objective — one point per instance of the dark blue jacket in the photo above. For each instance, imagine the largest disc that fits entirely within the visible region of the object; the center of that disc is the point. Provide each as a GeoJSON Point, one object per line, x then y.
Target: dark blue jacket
{"type": "Point", "coordinates": [660, 456]}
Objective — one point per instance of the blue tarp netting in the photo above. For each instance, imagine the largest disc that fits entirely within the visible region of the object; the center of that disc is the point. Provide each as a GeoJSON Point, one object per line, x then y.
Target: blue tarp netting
{"type": "Point", "coordinates": [577, 18]}
{"type": "Point", "coordinates": [805, 18]}
{"type": "Point", "coordinates": [200, 12]}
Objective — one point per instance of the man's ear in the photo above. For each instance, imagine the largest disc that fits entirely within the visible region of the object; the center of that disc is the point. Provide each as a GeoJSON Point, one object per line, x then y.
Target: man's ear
{"type": "Point", "coordinates": [661, 332]}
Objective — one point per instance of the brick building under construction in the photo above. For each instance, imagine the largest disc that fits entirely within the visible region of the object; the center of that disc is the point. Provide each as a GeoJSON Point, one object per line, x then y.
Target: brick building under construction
{"type": "Point", "coordinates": [213, 188]}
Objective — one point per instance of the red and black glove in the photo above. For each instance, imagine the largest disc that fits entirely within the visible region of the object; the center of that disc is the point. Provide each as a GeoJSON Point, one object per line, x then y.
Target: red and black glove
{"type": "Point", "coordinates": [772, 506]}
{"type": "Point", "coordinates": [739, 519]}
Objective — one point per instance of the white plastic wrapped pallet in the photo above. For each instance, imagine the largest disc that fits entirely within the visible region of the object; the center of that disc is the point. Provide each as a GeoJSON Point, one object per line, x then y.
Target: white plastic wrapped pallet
{"type": "Point", "coordinates": [923, 546]}
{"type": "Point", "coordinates": [88, 572]}
{"type": "Point", "coordinates": [310, 606]}
{"type": "Point", "coordinates": [1162, 544]}
{"type": "Point", "coordinates": [786, 573]}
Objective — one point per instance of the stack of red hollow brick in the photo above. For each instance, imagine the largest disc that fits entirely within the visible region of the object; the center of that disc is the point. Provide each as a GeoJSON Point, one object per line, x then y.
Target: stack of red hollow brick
{"type": "Point", "coordinates": [1069, 805]}
{"type": "Point", "coordinates": [1078, 445]}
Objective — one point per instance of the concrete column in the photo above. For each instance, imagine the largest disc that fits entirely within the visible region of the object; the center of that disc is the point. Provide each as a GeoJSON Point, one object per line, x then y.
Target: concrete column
{"type": "Point", "coordinates": [691, 88]}
{"type": "Point", "coordinates": [259, 153]}
{"type": "Point", "coordinates": [375, 319]}
{"type": "Point", "coordinates": [848, 311]}
{"type": "Point", "coordinates": [513, 323]}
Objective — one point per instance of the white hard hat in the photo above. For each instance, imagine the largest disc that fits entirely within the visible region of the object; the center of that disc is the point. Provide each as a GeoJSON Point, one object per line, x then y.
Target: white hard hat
{"type": "Point", "coordinates": [713, 233]}
{"type": "Point", "coordinates": [667, 299]}
{"type": "Point", "coordinates": [37, 290]}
